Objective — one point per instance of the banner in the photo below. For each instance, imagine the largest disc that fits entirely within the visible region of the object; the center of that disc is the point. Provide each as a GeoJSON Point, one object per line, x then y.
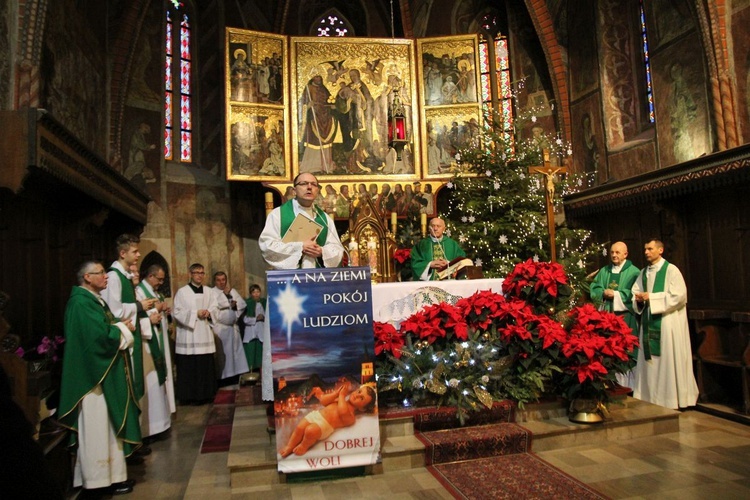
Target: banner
{"type": "Point", "coordinates": [322, 345]}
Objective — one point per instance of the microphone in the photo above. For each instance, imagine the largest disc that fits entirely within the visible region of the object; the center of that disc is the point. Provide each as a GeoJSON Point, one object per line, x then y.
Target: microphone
{"type": "Point", "coordinates": [348, 257]}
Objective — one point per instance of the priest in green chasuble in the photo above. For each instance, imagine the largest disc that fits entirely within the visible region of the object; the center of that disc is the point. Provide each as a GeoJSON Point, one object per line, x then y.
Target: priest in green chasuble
{"type": "Point", "coordinates": [611, 288]}
{"type": "Point", "coordinates": [96, 394]}
{"type": "Point", "coordinates": [323, 250]}
{"type": "Point", "coordinates": [433, 254]}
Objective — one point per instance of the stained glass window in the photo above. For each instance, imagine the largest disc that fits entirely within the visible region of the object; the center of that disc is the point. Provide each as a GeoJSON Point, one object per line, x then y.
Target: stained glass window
{"type": "Point", "coordinates": [332, 23]}
{"type": "Point", "coordinates": [647, 64]}
{"type": "Point", "coordinates": [494, 65]}
{"type": "Point", "coordinates": [178, 100]}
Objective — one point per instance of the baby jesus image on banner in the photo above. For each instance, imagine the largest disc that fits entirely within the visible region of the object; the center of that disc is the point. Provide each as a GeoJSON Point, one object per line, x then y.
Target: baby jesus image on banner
{"type": "Point", "coordinates": [322, 347]}
{"type": "Point", "coordinates": [326, 427]}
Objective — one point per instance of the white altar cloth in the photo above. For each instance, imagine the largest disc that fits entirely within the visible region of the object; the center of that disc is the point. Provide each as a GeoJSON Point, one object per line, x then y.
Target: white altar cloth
{"type": "Point", "coordinates": [394, 302]}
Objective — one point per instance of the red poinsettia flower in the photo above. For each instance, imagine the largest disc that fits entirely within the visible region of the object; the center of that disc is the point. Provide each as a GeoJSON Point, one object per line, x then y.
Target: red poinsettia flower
{"type": "Point", "coordinates": [387, 339]}
{"type": "Point", "coordinates": [402, 255]}
{"type": "Point", "coordinates": [550, 331]}
{"type": "Point", "coordinates": [550, 276]}
{"type": "Point", "coordinates": [590, 371]}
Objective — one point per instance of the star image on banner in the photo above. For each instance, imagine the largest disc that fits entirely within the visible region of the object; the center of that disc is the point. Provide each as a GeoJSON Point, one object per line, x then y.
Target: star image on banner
{"type": "Point", "coordinates": [290, 307]}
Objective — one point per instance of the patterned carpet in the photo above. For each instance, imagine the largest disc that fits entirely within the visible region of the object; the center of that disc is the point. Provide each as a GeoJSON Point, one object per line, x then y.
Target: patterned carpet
{"type": "Point", "coordinates": [468, 443]}
{"type": "Point", "coordinates": [517, 476]}
{"type": "Point", "coordinates": [490, 458]}
{"type": "Point", "coordinates": [218, 434]}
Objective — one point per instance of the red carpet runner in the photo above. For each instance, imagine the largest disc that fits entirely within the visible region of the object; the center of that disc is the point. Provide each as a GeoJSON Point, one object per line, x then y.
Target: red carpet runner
{"type": "Point", "coordinates": [218, 434]}
{"type": "Point", "coordinates": [488, 459]}
{"type": "Point", "coordinates": [517, 476]}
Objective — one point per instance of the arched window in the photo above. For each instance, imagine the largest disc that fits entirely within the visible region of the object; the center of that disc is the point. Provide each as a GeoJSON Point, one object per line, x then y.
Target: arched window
{"type": "Point", "coordinates": [332, 23]}
{"type": "Point", "coordinates": [178, 83]}
{"type": "Point", "coordinates": [494, 66]}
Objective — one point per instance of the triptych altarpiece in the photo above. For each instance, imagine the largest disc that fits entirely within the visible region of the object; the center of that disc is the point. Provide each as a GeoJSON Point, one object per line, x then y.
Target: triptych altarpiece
{"type": "Point", "coordinates": [326, 106]}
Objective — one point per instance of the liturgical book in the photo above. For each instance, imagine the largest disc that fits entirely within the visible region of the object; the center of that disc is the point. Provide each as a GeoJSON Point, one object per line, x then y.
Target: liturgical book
{"type": "Point", "coordinates": [302, 229]}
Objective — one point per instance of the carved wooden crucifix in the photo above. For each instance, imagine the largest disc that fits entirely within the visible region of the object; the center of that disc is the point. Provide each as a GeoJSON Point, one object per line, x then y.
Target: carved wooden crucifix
{"type": "Point", "coordinates": [549, 172]}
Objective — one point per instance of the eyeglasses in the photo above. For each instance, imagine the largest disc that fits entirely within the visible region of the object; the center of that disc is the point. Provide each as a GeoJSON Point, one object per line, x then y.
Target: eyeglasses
{"type": "Point", "coordinates": [198, 272]}
{"type": "Point", "coordinates": [308, 183]}
{"type": "Point", "coordinates": [99, 272]}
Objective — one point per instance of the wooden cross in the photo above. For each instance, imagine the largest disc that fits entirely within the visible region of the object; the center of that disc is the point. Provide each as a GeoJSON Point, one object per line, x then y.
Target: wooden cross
{"type": "Point", "coordinates": [549, 172]}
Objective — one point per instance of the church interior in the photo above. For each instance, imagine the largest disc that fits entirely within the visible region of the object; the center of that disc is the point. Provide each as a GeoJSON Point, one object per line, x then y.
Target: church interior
{"type": "Point", "coordinates": [652, 97]}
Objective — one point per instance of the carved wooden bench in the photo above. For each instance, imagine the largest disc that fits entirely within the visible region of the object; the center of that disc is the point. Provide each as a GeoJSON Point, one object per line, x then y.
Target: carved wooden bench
{"type": "Point", "coordinates": [725, 341]}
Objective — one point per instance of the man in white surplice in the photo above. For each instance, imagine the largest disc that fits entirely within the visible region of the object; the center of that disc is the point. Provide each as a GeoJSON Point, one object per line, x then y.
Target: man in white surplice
{"type": "Point", "coordinates": [664, 372]}
{"type": "Point", "coordinates": [231, 306]}
{"type": "Point", "coordinates": [158, 404]}
{"type": "Point", "coordinates": [324, 251]}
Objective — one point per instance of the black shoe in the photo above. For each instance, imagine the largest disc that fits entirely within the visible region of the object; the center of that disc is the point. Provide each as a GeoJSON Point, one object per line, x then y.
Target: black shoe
{"type": "Point", "coordinates": [92, 494]}
{"type": "Point", "coordinates": [143, 451]}
{"type": "Point", "coordinates": [134, 459]}
{"type": "Point", "coordinates": [122, 488]}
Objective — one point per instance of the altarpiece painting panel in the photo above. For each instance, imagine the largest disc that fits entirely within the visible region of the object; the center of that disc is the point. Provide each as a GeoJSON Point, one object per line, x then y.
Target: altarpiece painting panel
{"type": "Point", "coordinates": [451, 111]}
{"type": "Point", "coordinates": [343, 95]}
{"type": "Point", "coordinates": [257, 146]}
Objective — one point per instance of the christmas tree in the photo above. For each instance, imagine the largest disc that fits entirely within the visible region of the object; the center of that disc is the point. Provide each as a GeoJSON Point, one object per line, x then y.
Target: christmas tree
{"type": "Point", "coordinates": [497, 209]}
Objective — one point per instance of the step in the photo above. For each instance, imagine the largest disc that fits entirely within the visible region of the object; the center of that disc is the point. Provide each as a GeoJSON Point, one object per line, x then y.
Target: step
{"type": "Point", "coordinates": [252, 455]}
{"type": "Point", "coordinates": [480, 441]}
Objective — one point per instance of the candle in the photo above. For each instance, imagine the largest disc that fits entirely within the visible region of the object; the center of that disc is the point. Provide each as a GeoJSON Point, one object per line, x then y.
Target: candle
{"type": "Point", "coordinates": [269, 202]}
{"type": "Point", "coordinates": [394, 222]}
{"type": "Point", "coordinates": [423, 221]}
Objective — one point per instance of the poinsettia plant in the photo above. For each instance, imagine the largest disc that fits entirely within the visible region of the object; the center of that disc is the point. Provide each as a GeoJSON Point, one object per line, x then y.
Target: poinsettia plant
{"type": "Point", "coordinates": [543, 285]}
{"type": "Point", "coordinates": [598, 346]}
{"type": "Point", "coordinates": [490, 346]}
{"type": "Point", "coordinates": [402, 255]}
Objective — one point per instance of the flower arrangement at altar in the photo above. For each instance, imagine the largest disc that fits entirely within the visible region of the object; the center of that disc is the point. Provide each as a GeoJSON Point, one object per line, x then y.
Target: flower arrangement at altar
{"type": "Point", "coordinates": [44, 355]}
{"type": "Point", "coordinates": [402, 258]}
{"type": "Point", "coordinates": [489, 347]}
{"type": "Point", "coordinates": [598, 345]}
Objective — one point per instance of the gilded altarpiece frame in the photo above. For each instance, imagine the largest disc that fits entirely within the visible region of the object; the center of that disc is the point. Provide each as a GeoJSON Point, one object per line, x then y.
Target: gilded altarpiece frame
{"type": "Point", "coordinates": [256, 99]}
{"type": "Point", "coordinates": [342, 93]}
{"type": "Point", "coordinates": [450, 108]}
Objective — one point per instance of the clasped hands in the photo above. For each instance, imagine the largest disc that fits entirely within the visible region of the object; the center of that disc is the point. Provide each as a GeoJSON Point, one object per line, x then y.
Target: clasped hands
{"type": "Point", "coordinates": [311, 248]}
{"type": "Point", "coordinates": [641, 297]}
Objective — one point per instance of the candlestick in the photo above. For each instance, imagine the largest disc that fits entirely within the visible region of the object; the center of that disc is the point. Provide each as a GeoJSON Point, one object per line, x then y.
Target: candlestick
{"type": "Point", "coordinates": [269, 202]}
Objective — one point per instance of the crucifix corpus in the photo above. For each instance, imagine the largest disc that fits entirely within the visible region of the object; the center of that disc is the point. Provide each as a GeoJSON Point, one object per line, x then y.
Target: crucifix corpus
{"type": "Point", "coordinates": [549, 172]}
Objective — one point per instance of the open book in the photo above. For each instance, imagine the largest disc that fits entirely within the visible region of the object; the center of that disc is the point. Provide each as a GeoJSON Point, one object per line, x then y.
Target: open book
{"type": "Point", "coordinates": [454, 267]}
{"type": "Point", "coordinates": [302, 229]}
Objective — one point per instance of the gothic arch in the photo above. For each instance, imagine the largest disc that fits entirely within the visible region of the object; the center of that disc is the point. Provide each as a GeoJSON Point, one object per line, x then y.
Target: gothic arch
{"type": "Point", "coordinates": [556, 61]}
{"type": "Point", "coordinates": [712, 20]}
{"type": "Point", "coordinates": [123, 52]}
{"type": "Point", "coordinates": [31, 20]}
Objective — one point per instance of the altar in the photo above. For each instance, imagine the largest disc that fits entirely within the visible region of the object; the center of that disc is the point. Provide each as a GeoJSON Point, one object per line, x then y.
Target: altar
{"type": "Point", "coordinates": [394, 302]}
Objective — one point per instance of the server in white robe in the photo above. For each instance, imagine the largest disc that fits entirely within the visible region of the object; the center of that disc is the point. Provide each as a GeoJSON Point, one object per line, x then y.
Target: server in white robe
{"type": "Point", "coordinates": [231, 306]}
{"type": "Point", "coordinates": [194, 310]}
{"type": "Point", "coordinates": [324, 251]}
{"type": "Point", "coordinates": [664, 373]}
{"type": "Point", "coordinates": [158, 403]}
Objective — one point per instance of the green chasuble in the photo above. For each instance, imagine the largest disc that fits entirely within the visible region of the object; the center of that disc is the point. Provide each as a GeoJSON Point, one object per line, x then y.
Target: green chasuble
{"type": "Point", "coordinates": [154, 343]}
{"type": "Point", "coordinates": [93, 357]}
{"type": "Point", "coordinates": [427, 250]}
{"type": "Point", "coordinates": [287, 217]}
{"type": "Point", "coordinates": [621, 283]}
{"type": "Point", "coordinates": [128, 297]}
